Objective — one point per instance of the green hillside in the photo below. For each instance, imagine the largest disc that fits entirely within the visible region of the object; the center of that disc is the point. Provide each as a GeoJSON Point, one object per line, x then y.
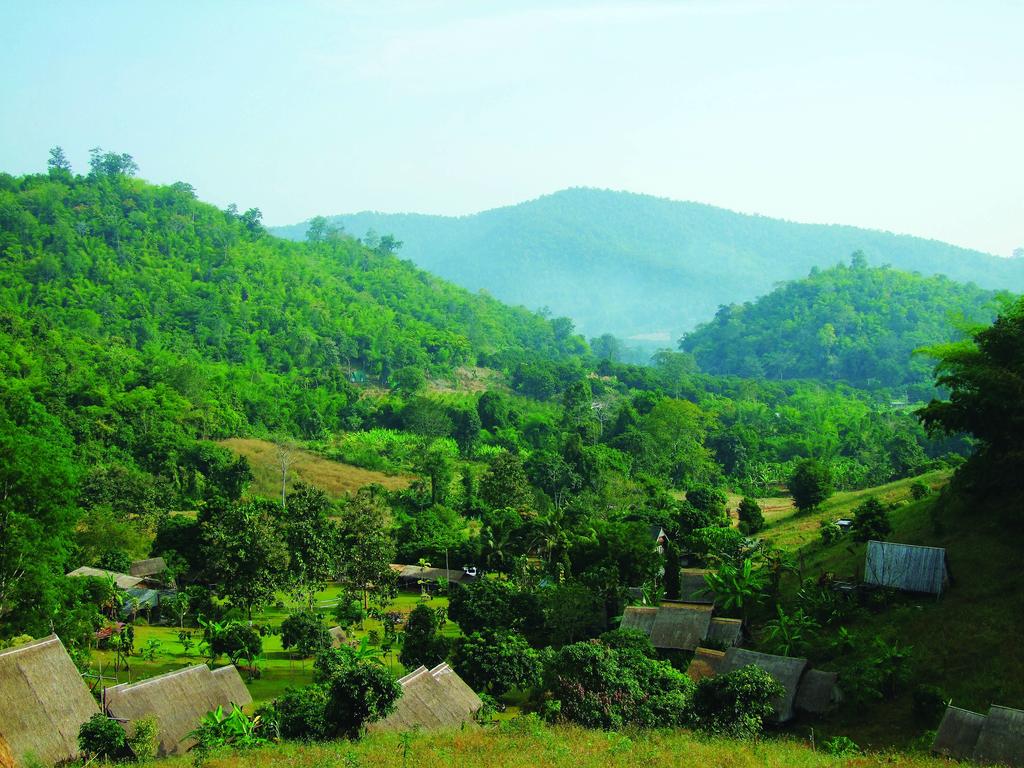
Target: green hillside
{"type": "Point", "coordinates": [858, 324]}
{"type": "Point", "coordinates": [635, 264]}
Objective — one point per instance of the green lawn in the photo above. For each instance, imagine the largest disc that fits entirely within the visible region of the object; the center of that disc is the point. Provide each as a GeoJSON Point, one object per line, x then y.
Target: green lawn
{"type": "Point", "coordinates": [280, 668]}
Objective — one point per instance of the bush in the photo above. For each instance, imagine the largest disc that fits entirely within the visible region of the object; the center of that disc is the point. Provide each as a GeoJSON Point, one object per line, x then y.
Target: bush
{"type": "Point", "coordinates": [143, 741]}
{"type": "Point", "coordinates": [735, 704]}
{"type": "Point", "coordinates": [829, 532]}
{"type": "Point", "coordinates": [629, 640]}
{"type": "Point", "coordinates": [871, 521]}
{"type": "Point", "coordinates": [751, 516]}
{"type": "Point", "coordinates": [840, 746]}
{"type": "Point", "coordinates": [422, 644]}
{"type": "Point", "coordinates": [301, 713]}
{"type": "Point", "coordinates": [235, 639]}
{"type": "Point", "coordinates": [919, 490]}
{"type": "Point", "coordinates": [928, 705]}
{"type": "Point", "coordinates": [359, 693]}
{"type": "Point", "coordinates": [305, 632]}
{"type": "Point", "coordinates": [102, 738]}
{"type": "Point", "coordinates": [496, 661]}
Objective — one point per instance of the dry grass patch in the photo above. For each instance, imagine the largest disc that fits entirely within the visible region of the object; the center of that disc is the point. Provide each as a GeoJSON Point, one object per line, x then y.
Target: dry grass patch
{"type": "Point", "coordinates": [334, 478]}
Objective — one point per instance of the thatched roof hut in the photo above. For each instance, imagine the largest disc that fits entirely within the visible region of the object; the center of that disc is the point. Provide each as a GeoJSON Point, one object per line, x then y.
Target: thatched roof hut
{"type": "Point", "coordinates": [122, 580]}
{"type": "Point", "coordinates": [639, 617]}
{"type": "Point", "coordinates": [338, 636]}
{"type": "Point", "coordinates": [232, 687]}
{"type": "Point", "coordinates": [958, 733]}
{"type": "Point", "coordinates": [178, 700]}
{"type": "Point", "coordinates": [818, 692]}
{"type": "Point", "coordinates": [705, 663]}
{"type": "Point", "coordinates": [431, 699]}
{"type": "Point", "coordinates": [1001, 740]}
{"type": "Point", "coordinates": [906, 567]}
{"type": "Point", "coordinates": [725, 632]}
{"type": "Point", "coordinates": [152, 566]}
{"type": "Point", "coordinates": [692, 586]}
{"type": "Point", "coordinates": [680, 625]}
{"type": "Point", "coordinates": [43, 703]}
{"type": "Point", "coordinates": [783, 669]}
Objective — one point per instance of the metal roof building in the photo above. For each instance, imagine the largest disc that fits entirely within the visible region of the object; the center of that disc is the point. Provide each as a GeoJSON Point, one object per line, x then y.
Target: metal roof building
{"type": "Point", "coordinates": [906, 567]}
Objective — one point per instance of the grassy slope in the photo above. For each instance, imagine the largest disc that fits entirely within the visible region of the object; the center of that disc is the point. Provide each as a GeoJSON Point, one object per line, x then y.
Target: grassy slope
{"type": "Point", "coordinates": [335, 478]}
{"type": "Point", "coordinates": [968, 642]}
{"type": "Point", "coordinates": [527, 744]}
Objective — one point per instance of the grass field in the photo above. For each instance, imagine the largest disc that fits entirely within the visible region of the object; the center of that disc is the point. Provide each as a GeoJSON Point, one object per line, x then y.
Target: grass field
{"type": "Point", "coordinates": [334, 478]}
{"type": "Point", "coordinates": [526, 743]}
{"type": "Point", "coordinates": [280, 668]}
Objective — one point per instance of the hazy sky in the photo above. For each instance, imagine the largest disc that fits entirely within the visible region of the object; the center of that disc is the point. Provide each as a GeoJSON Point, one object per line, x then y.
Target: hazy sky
{"type": "Point", "coordinates": [907, 116]}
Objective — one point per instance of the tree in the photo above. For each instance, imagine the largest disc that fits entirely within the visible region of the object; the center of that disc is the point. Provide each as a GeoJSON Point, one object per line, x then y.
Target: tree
{"type": "Point", "coordinates": [236, 639]}
{"type": "Point", "coordinates": [708, 499]}
{"type": "Point", "coordinates": [246, 552]}
{"type": "Point", "coordinates": [58, 164]}
{"type": "Point", "coordinates": [367, 548]}
{"type": "Point", "coordinates": [505, 484]}
{"type": "Point", "coordinates": [871, 521]}
{"type": "Point", "coordinates": [422, 644]}
{"type": "Point", "coordinates": [751, 516]}
{"type": "Point", "coordinates": [496, 661]}
{"type": "Point", "coordinates": [359, 692]}
{"type": "Point", "coordinates": [305, 632]}
{"type": "Point", "coordinates": [436, 464]}
{"type": "Point", "coordinates": [985, 379]}
{"type": "Point", "coordinates": [736, 587]}
{"type": "Point", "coordinates": [810, 484]}
{"type": "Point", "coordinates": [312, 540]}
{"type": "Point", "coordinates": [284, 455]}
{"type": "Point", "coordinates": [492, 604]}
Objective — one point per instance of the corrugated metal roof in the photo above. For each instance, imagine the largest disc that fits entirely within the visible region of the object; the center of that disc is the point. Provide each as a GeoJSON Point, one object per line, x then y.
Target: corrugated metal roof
{"type": "Point", "coordinates": [1001, 740]}
{"type": "Point", "coordinates": [958, 733]}
{"type": "Point", "coordinates": [906, 567]}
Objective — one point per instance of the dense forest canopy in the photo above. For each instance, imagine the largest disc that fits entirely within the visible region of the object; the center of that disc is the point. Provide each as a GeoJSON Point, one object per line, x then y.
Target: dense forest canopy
{"type": "Point", "coordinates": [634, 264]}
{"type": "Point", "coordinates": [855, 323]}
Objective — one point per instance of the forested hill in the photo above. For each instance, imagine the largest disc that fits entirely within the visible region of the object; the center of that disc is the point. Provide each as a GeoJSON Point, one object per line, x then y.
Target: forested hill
{"type": "Point", "coordinates": [856, 323]}
{"type": "Point", "coordinates": [109, 257]}
{"type": "Point", "coordinates": [634, 264]}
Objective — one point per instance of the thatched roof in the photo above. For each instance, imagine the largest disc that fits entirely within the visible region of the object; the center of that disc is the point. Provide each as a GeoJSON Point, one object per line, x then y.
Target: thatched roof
{"type": "Point", "coordinates": [692, 586]}
{"type": "Point", "coordinates": [906, 567]}
{"type": "Point", "coordinates": [818, 692]}
{"type": "Point", "coordinates": [231, 685]}
{"type": "Point", "coordinates": [338, 636]}
{"type": "Point", "coordinates": [783, 669]}
{"type": "Point", "coordinates": [639, 617]}
{"type": "Point", "coordinates": [958, 733]}
{"type": "Point", "coordinates": [431, 699]}
{"type": "Point", "coordinates": [680, 625]}
{"type": "Point", "coordinates": [178, 700]}
{"type": "Point", "coordinates": [725, 632]}
{"type": "Point", "coordinates": [1002, 738]}
{"type": "Point", "coordinates": [43, 701]}
{"type": "Point", "coordinates": [705, 663]}
{"type": "Point", "coordinates": [123, 580]}
{"type": "Point", "coordinates": [149, 567]}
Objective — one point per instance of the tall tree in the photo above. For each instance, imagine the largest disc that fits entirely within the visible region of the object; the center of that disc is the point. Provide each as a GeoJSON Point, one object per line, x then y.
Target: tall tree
{"type": "Point", "coordinates": [367, 547]}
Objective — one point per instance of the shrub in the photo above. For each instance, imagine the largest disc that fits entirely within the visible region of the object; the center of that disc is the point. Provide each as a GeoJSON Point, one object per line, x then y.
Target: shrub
{"type": "Point", "coordinates": [496, 661]}
{"type": "Point", "coordinates": [102, 738]}
{"type": "Point", "coordinates": [235, 639]}
{"type": "Point", "coordinates": [871, 521]}
{"type": "Point", "coordinates": [301, 713]}
{"type": "Point", "coordinates": [735, 704]}
{"type": "Point", "coordinates": [629, 640]}
{"type": "Point", "coordinates": [919, 490]}
{"type": "Point", "coordinates": [305, 632]}
{"type": "Point", "coordinates": [840, 746]}
{"type": "Point", "coordinates": [143, 741]}
{"type": "Point", "coordinates": [751, 516]}
{"type": "Point", "coordinates": [829, 532]}
{"type": "Point", "coordinates": [359, 693]}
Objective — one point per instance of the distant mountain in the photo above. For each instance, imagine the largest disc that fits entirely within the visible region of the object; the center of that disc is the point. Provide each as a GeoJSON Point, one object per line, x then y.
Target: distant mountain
{"type": "Point", "coordinates": [635, 264]}
{"type": "Point", "coordinates": [856, 323]}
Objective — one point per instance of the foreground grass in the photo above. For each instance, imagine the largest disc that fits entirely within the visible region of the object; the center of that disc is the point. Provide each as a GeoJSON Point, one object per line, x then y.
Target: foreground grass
{"type": "Point", "coordinates": [525, 743]}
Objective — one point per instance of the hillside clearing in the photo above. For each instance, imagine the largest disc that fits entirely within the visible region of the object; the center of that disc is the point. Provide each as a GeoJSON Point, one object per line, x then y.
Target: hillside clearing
{"type": "Point", "coordinates": [333, 477]}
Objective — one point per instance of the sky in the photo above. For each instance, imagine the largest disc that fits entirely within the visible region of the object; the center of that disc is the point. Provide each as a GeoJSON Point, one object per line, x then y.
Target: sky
{"type": "Point", "coordinates": [903, 116]}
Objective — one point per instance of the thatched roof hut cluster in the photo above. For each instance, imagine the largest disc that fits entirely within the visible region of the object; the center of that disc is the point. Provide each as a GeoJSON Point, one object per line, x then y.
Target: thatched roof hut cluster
{"type": "Point", "coordinates": [682, 626]}
{"type": "Point", "coordinates": [178, 700]}
{"type": "Point", "coordinates": [43, 703]}
{"type": "Point", "coordinates": [995, 738]}
{"type": "Point", "coordinates": [431, 699]}
{"type": "Point", "coordinates": [809, 690]}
